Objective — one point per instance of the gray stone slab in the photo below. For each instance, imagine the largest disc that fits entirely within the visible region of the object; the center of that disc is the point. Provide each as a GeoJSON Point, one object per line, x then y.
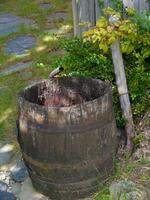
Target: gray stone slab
{"type": "Point", "coordinates": [28, 192]}
{"type": "Point", "coordinates": [46, 5]}
{"type": "Point", "coordinates": [20, 45]}
{"type": "Point", "coordinates": [19, 173]}
{"type": "Point", "coordinates": [16, 188]}
{"type": "Point", "coordinates": [6, 153]}
{"type": "Point", "coordinates": [126, 189]}
{"type": "Point", "coordinates": [10, 23]}
{"type": "Point", "coordinates": [58, 16]}
{"type": "Point", "coordinates": [7, 196]}
{"type": "Point", "coordinates": [3, 186]}
{"type": "Point", "coordinates": [15, 68]}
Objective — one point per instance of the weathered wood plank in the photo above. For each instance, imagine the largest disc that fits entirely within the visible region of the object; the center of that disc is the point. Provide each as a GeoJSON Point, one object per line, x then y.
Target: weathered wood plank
{"type": "Point", "coordinates": [88, 11]}
{"type": "Point", "coordinates": [128, 3]}
{"type": "Point", "coordinates": [84, 11]}
{"type": "Point", "coordinates": [140, 5]}
{"type": "Point", "coordinates": [75, 17]}
{"type": "Point", "coordinates": [106, 3]}
{"type": "Point", "coordinates": [97, 10]}
{"type": "Point", "coordinates": [123, 91]}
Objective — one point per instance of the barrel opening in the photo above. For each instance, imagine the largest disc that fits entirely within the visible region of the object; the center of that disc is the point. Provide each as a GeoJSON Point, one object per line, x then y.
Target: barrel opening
{"type": "Point", "coordinates": [65, 91]}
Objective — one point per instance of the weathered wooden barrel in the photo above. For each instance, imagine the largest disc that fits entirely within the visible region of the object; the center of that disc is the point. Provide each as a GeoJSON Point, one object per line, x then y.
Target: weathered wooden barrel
{"type": "Point", "coordinates": [68, 147]}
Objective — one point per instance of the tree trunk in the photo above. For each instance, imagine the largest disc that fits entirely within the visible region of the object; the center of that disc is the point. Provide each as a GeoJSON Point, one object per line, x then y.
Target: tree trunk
{"type": "Point", "coordinates": [123, 91]}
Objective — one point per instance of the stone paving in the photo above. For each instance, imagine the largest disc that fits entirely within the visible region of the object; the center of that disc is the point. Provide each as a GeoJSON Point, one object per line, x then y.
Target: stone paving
{"type": "Point", "coordinates": [46, 5]}
{"type": "Point", "coordinates": [15, 183]}
{"type": "Point", "coordinates": [10, 23]}
{"type": "Point", "coordinates": [15, 68]}
{"type": "Point", "coordinates": [20, 45]}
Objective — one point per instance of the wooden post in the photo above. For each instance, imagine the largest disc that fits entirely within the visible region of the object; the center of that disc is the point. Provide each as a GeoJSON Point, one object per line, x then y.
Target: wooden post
{"type": "Point", "coordinates": [106, 3]}
{"type": "Point", "coordinates": [84, 11]}
{"type": "Point", "coordinates": [123, 91]}
{"type": "Point", "coordinates": [97, 10]}
{"type": "Point", "coordinates": [122, 88]}
{"type": "Point", "coordinates": [140, 5]}
{"type": "Point", "coordinates": [128, 3]}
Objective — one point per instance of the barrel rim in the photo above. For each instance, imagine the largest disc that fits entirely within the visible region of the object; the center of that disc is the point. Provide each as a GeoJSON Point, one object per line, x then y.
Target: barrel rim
{"type": "Point", "coordinates": [21, 97]}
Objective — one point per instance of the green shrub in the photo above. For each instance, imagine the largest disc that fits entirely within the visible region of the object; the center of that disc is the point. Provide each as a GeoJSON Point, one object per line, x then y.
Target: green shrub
{"type": "Point", "coordinates": [116, 4]}
{"type": "Point", "coordinates": [142, 20]}
{"type": "Point", "coordinates": [91, 56]}
{"type": "Point", "coordinates": [84, 58]}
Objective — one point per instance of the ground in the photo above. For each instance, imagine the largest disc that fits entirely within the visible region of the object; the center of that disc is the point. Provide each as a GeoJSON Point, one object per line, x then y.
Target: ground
{"type": "Point", "coordinates": [29, 39]}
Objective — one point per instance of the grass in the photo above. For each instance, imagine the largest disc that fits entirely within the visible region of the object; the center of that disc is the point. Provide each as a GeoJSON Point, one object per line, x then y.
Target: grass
{"type": "Point", "coordinates": [127, 169]}
{"type": "Point", "coordinates": [104, 194]}
{"type": "Point", "coordinates": [46, 51]}
{"type": "Point", "coordinates": [8, 114]}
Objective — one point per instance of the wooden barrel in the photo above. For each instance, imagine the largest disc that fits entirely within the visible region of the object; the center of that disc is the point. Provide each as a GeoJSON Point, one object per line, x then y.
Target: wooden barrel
{"type": "Point", "coordinates": [68, 148]}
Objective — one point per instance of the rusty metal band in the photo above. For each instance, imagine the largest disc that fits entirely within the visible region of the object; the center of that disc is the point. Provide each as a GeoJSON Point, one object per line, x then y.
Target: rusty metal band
{"type": "Point", "coordinates": [54, 183]}
{"type": "Point", "coordinates": [44, 165]}
{"type": "Point", "coordinates": [47, 129]}
{"type": "Point", "coordinates": [72, 187]}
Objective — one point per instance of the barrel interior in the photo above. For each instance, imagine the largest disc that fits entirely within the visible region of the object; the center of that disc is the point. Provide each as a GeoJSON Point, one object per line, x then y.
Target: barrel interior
{"type": "Point", "coordinates": [65, 91]}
